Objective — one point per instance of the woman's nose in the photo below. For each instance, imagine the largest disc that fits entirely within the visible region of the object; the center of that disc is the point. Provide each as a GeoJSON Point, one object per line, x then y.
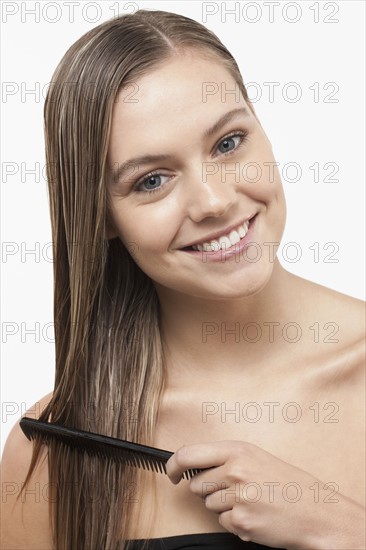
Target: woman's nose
{"type": "Point", "coordinates": [208, 193]}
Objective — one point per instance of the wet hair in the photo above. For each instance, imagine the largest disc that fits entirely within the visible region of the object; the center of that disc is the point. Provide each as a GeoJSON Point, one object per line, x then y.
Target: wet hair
{"type": "Point", "coordinates": [110, 367]}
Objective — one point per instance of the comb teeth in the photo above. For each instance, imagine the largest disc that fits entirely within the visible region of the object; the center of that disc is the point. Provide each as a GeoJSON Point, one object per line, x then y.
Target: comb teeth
{"type": "Point", "coordinates": [118, 450]}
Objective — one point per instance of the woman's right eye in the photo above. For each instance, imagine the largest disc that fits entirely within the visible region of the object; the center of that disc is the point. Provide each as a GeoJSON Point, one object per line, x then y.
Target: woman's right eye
{"type": "Point", "coordinates": [150, 179]}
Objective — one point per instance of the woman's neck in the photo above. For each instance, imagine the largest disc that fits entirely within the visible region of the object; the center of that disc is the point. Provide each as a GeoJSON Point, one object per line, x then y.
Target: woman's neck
{"type": "Point", "coordinates": [219, 338]}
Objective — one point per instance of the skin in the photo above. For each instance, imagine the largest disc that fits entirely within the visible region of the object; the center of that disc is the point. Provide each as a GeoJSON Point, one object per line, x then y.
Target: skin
{"type": "Point", "coordinates": [222, 370]}
{"type": "Point", "coordinates": [156, 226]}
{"type": "Point", "coordinates": [193, 292]}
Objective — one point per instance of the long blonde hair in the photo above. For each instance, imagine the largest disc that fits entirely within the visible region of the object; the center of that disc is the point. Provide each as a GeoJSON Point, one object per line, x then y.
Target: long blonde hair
{"type": "Point", "coordinates": [109, 356]}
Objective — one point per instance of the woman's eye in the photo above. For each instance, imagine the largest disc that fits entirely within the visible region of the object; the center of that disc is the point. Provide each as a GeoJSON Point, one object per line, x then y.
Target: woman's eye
{"type": "Point", "coordinates": [228, 144]}
{"type": "Point", "coordinates": [151, 181]}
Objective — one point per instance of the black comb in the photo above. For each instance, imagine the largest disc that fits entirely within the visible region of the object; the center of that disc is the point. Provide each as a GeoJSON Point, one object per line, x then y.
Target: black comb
{"type": "Point", "coordinates": [119, 450]}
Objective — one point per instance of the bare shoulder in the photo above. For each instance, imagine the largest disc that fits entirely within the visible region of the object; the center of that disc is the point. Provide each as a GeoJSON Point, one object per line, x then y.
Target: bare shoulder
{"type": "Point", "coordinates": [25, 522]}
{"type": "Point", "coordinates": [328, 300]}
{"type": "Point", "coordinates": [326, 305]}
{"type": "Point", "coordinates": [337, 325]}
{"type": "Point", "coordinates": [349, 316]}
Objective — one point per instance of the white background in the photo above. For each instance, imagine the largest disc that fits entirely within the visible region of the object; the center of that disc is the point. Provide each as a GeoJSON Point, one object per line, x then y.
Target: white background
{"type": "Point", "coordinates": [304, 132]}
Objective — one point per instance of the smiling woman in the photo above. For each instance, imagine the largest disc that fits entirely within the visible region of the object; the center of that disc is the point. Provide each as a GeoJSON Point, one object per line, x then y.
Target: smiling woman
{"type": "Point", "coordinates": [159, 185]}
{"type": "Point", "coordinates": [196, 197]}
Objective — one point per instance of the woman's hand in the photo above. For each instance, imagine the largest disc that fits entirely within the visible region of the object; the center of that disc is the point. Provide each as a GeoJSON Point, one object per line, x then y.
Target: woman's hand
{"type": "Point", "coordinates": [264, 499]}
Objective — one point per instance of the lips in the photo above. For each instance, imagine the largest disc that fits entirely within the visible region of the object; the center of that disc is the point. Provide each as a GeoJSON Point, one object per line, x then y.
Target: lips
{"type": "Point", "coordinates": [236, 251]}
{"type": "Point", "coordinates": [218, 235]}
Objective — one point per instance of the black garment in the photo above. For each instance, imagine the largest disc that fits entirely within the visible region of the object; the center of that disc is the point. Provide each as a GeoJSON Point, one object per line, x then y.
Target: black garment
{"type": "Point", "coordinates": [199, 541]}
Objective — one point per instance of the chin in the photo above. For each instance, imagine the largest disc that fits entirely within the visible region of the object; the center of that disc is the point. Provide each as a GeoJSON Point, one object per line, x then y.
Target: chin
{"type": "Point", "coordinates": [247, 282]}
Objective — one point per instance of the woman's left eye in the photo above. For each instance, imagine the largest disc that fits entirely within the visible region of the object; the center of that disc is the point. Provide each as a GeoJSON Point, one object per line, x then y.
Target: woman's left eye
{"type": "Point", "coordinates": [226, 142]}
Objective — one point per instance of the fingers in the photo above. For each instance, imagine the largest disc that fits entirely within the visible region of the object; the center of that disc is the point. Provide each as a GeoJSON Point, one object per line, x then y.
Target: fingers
{"type": "Point", "coordinates": [206, 455]}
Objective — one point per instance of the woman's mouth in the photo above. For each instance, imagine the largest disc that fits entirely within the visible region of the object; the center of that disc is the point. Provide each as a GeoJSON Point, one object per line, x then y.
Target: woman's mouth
{"type": "Point", "coordinates": [225, 246]}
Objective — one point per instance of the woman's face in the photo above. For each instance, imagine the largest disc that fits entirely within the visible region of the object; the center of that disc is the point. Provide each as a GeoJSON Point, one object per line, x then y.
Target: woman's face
{"type": "Point", "coordinates": [203, 184]}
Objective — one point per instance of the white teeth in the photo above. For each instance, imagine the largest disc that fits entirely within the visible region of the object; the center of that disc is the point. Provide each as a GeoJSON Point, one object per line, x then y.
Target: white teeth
{"type": "Point", "coordinates": [226, 241]}
{"type": "Point", "coordinates": [241, 232]}
{"type": "Point", "coordinates": [212, 246]}
{"type": "Point", "coordinates": [244, 227]}
{"type": "Point", "coordinates": [234, 237]}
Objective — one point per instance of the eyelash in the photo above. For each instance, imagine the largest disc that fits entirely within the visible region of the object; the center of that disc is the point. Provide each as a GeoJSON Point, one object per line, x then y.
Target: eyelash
{"type": "Point", "coordinates": [243, 135]}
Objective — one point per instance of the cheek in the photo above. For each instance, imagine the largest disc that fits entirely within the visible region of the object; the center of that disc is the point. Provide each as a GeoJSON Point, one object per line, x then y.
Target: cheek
{"type": "Point", "coordinates": [260, 176]}
{"type": "Point", "coordinates": [150, 227]}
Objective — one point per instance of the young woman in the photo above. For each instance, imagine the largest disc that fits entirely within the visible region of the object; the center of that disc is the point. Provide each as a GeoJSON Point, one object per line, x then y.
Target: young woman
{"type": "Point", "coordinates": [166, 281]}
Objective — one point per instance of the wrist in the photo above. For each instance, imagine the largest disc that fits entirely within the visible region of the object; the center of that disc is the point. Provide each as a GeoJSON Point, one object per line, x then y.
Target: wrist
{"type": "Point", "coordinates": [341, 527]}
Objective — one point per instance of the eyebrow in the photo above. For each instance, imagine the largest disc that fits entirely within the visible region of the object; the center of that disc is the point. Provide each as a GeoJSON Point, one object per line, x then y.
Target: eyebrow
{"type": "Point", "coordinates": [141, 160]}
